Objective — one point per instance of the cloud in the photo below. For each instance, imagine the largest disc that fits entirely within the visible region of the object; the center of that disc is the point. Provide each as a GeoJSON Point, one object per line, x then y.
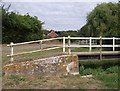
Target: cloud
{"type": "Point", "coordinates": [57, 15]}
{"type": "Point", "coordinates": [60, 1]}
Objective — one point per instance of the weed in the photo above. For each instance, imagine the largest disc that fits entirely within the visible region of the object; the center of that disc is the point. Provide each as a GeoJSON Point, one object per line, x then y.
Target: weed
{"type": "Point", "coordinates": [109, 80]}
{"type": "Point", "coordinates": [40, 77]}
{"type": "Point", "coordinates": [87, 71]}
{"type": "Point", "coordinates": [82, 68]}
{"type": "Point", "coordinates": [113, 69]}
{"type": "Point", "coordinates": [17, 78]}
{"type": "Point", "coordinates": [89, 82]}
{"type": "Point", "coordinates": [64, 76]}
{"type": "Point", "coordinates": [9, 84]}
{"type": "Point", "coordinates": [81, 87]}
{"type": "Point", "coordinates": [1, 75]}
{"type": "Point", "coordinates": [44, 80]}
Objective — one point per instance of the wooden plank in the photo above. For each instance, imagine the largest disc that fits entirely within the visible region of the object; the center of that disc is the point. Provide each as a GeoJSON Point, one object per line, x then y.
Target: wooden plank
{"type": "Point", "coordinates": [79, 37]}
{"type": "Point", "coordinates": [117, 45]}
{"type": "Point", "coordinates": [92, 53]}
{"type": "Point", "coordinates": [11, 57]}
{"type": "Point", "coordinates": [64, 44]}
{"type": "Point", "coordinates": [117, 38]}
{"type": "Point", "coordinates": [69, 50]}
{"type": "Point", "coordinates": [23, 43]}
{"type": "Point", "coordinates": [77, 46]}
{"type": "Point", "coordinates": [92, 46]}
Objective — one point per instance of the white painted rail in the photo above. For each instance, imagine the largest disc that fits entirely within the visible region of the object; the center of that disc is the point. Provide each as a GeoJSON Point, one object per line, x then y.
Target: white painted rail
{"type": "Point", "coordinates": [90, 45]}
{"type": "Point", "coordinates": [30, 42]}
{"type": "Point", "coordinates": [69, 45]}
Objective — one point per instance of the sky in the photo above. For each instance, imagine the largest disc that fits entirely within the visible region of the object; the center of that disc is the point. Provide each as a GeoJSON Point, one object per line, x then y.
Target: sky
{"type": "Point", "coordinates": [58, 15]}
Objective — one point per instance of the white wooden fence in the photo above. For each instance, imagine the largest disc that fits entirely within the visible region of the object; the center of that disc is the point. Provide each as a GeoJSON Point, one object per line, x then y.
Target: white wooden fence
{"type": "Point", "coordinates": [64, 45]}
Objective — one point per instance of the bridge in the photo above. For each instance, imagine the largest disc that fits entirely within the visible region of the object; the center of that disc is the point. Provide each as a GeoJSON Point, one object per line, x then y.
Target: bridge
{"type": "Point", "coordinates": [68, 58]}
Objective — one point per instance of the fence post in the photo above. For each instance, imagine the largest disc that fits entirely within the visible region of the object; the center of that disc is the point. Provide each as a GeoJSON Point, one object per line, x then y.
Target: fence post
{"type": "Point", "coordinates": [90, 44]}
{"type": "Point", "coordinates": [100, 47]}
{"type": "Point", "coordinates": [41, 44]}
{"type": "Point", "coordinates": [11, 54]}
{"type": "Point", "coordinates": [69, 50]}
{"type": "Point", "coordinates": [63, 44]}
{"type": "Point", "coordinates": [113, 43]}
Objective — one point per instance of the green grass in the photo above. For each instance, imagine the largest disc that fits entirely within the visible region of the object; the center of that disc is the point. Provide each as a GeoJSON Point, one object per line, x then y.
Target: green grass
{"type": "Point", "coordinates": [108, 80]}
{"type": "Point", "coordinates": [84, 49]}
{"type": "Point", "coordinates": [27, 57]}
{"type": "Point", "coordinates": [107, 75]}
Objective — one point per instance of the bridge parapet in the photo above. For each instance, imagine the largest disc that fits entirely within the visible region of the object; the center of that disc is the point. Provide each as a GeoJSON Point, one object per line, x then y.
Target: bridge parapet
{"type": "Point", "coordinates": [64, 64]}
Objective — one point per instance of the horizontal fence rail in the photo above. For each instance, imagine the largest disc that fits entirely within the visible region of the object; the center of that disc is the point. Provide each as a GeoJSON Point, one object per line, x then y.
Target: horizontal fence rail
{"type": "Point", "coordinates": [65, 45]}
{"type": "Point", "coordinates": [30, 42]}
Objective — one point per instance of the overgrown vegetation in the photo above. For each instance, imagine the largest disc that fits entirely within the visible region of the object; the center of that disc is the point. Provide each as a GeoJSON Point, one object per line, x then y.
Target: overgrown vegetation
{"type": "Point", "coordinates": [106, 71]}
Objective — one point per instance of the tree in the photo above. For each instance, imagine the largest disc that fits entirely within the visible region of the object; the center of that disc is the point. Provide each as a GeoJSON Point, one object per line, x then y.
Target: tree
{"type": "Point", "coordinates": [103, 20]}
{"type": "Point", "coordinates": [19, 28]}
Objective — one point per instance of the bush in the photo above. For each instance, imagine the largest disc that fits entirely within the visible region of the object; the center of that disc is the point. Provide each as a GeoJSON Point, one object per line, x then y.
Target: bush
{"type": "Point", "coordinates": [87, 71]}
{"type": "Point", "coordinates": [20, 28]}
{"type": "Point", "coordinates": [96, 64]}
{"type": "Point", "coordinates": [82, 69]}
{"type": "Point", "coordinates": [113, 69]}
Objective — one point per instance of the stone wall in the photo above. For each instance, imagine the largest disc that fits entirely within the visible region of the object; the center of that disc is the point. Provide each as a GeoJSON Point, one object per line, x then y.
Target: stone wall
{"type": "Point", "coordinates": [63, 64]}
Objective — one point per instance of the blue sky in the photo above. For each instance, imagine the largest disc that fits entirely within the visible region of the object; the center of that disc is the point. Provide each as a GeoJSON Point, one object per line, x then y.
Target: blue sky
{"type": "Point", "coordinates": [57, 15]}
